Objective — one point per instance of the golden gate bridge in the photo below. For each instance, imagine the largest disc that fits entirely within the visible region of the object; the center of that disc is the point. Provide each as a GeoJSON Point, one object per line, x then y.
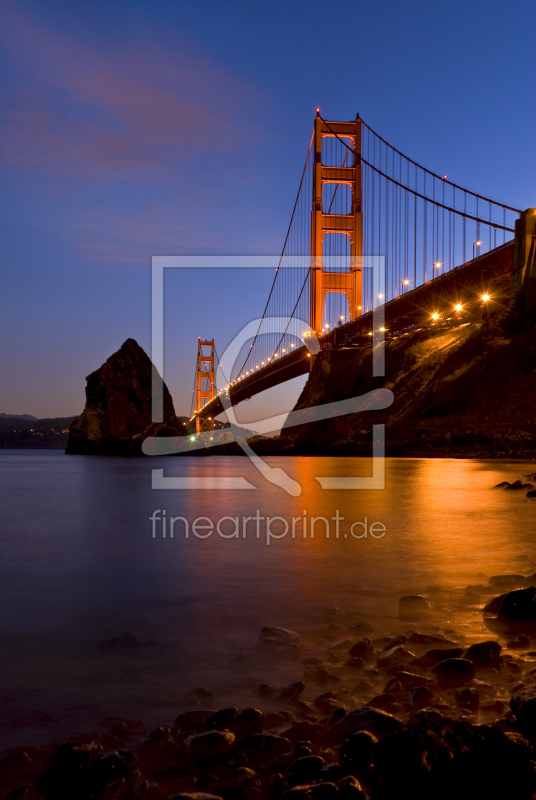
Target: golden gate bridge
{"type": "Point", "coordinates": [445, 252]}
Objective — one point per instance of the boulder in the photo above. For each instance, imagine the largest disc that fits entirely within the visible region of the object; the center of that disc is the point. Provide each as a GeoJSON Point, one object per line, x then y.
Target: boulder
{"type": "Point", "coordinates": [373, 720]}
{"type": "Point", "coordinates": [454, 671]}
{"type": "Point", "coordinates": [519, 604]}
{"type": "Point", "coordinates": [484, 653]}
{"type": "Point", "coordinates": [523, 705]}
{"type": "Point", "coordinates": [119, 401]}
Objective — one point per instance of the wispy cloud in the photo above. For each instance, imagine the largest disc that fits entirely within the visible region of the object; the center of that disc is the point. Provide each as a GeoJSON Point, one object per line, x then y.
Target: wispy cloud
{"type": "Point", "coordinates": [75, 108]}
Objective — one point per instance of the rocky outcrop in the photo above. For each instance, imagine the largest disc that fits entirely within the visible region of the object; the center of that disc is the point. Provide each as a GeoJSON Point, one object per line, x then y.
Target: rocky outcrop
{"type": "Point", "coordinates": [466, 388]}
{"type": "Point", "coordinates": [118, 411]}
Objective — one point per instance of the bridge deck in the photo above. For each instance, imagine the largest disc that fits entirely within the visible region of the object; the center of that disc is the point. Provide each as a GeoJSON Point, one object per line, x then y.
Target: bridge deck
{"type": "Point", "coordinates": [465, 284]}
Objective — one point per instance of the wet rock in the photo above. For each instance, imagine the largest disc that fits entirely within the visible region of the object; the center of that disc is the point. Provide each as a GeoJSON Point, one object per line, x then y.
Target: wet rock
{"type": "Point", "coordinates": [519, 604]}
{"type": "Point", "coordinates": [362, 649]}
{"type": "Point", "coordinates": [420, 697]}
{"type": "Point", "coordinates": [207, 746]}
{"type": "Point", "coordinates": [320, 675]}
{"type": "Point", "coordinates": [351, 789]}
{"type": "Point", "coordinates": [470, 598]}
{"type": "Point", "coordinates": [125, 641]}
{"type": "Point", "coordinates": [337, 715]}
{"type": "Point", "coordinates": [454, 671]}
{"type": "Point", "coordinates": [409, 680]}
{"type": "Point", "coordinates": [80, 770]}
{"type": "Point", "coordinates": [272, 634]}
{"type": "Point", "coordinates": [377, 722]}
{"type": "Point", "coordinates": [382, 700]}
{"type": "Point", "coordinates": [531, 494]}
{"type": "Point", "coordinates": [468, 698]}
{"type": "Point", "coordinates": [315, 791]}
{"type": "Point", "coordinates": [502, 485]}
{"type": "Point", "coordinates": [223, 719]}
{"type": "Point", "coordinates": [434, 656]}
{"type": "Point", "coordinates": [263, 748]}
{"type": "Point", "coordinates": [289, 693]}
{"type": "Point", "coordinates": [307, 731]}
{"type": "Point", "coordinates": [357, 752]}
{"type": "Point", "coordinates": [233, 781]}
{"type": "Point", "coordinates": [523, 705]}
{"type": "Point", "coordinates": [394, 641]}
{"type": "Point", "coordinates": [265, 689]}
{"type": "Point", "coordinates": [519, 643]}
{"type": "Point", "coordinates": [360, 627]}
{"type": "Point", "coordinates": [194, 796]}
{"type": "Point", "coordinates": [330, 773]}
{"type": "Point", "coordinates": [249, 721]}
{"type": "Point", "coordinates": [447, 759]}
{"type": "Point", "coordinates": [413, 605]}
{"type": "Point", "coordinates": [304, 770]}
{"type": "Point", "coordinates": [159, 747]}
{"type": "Point", "coordinates": [354, 663]}
{"type": "Point", "coordinates": [395, 658]}
{"type": "Point", "coordinates": [516, 485]}
{"type": "Point", "coordinates": [428, 638]}
{"type": "Point", "coordinates": [484, 653]}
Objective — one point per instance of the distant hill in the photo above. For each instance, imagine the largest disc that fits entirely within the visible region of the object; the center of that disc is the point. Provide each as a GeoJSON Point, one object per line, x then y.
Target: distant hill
{"type": "Point", "coordinates": [26, 433]}
{"type": "Point", "coordinates": [19, 416]}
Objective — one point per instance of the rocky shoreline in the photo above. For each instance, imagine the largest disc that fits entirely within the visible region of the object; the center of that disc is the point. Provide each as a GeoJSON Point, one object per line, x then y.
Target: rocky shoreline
{"type": "Point", "coordinates": [421, 711]}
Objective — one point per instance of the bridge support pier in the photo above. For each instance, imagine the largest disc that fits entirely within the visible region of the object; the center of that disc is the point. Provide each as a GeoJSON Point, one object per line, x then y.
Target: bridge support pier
{"type": "Point", "coordinates": [524, 251]}
{"type": "Point", "coordinates": [205, 372]}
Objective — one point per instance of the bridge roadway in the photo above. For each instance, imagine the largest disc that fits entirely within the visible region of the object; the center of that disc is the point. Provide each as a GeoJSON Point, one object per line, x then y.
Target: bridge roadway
{"type": "Point", "coordinates": [487, 274]}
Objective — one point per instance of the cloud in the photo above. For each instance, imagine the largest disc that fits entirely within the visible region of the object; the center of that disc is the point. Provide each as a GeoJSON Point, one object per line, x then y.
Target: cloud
{"type": "Point", "coordinates": [82, 109]}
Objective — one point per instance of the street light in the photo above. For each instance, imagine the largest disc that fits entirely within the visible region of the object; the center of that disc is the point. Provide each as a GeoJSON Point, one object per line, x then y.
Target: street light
{"type": "Point", "coordinates": [485, 297]}
{"type": "Point", "coordinates": [435, 315]}
{"type": "Point", "coordinates": [475, 244]}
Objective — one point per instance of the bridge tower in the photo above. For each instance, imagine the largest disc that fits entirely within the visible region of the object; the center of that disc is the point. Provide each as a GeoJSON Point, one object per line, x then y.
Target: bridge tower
{"type": "Point", "coordinates": [205, 372]}
{"type": "Point", "coordinates": [349, 283]}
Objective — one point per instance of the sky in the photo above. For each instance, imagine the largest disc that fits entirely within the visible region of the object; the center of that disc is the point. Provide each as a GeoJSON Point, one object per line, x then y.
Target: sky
{"type": "Point", "coordinates": [141, 128]}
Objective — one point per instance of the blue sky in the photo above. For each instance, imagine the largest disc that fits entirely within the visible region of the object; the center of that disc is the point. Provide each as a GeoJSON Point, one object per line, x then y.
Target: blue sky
{"type": "Point", "coordinates": [138, 128]}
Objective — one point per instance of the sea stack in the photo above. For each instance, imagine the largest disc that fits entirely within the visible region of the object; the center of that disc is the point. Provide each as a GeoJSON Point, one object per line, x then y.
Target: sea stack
{"type": "Point", "coordinates": [118, 406]}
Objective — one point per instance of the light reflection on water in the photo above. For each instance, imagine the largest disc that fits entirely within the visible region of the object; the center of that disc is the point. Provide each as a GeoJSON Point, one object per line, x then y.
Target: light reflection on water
{"type": "Point", "coordinates": [78, 565]}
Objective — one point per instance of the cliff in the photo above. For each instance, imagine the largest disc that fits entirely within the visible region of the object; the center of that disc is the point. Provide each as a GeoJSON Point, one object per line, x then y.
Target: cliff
{"type": "Point", "coordinates": [465, 388]}
{"type": "Point", "coordinates": [118, 411]}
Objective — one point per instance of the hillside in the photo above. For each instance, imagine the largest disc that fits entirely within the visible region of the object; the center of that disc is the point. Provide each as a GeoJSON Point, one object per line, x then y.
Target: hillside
{"type": "Point", "coordinates": [465, 388]}
{"type": "Point", "coordinates": [47, 434]}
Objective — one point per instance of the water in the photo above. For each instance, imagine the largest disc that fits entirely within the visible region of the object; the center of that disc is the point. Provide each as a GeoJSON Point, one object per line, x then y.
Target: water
{"type": "Point", "coordinates": [79, 565]}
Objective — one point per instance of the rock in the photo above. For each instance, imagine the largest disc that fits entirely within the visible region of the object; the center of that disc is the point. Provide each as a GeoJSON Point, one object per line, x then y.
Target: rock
{"type": "Point", "coordinates": [362, 649]}
{"type": "Point", "coordinates": [125, 641]}
{"type": "Point", "coordinates": [519, 642]}
{"type": "Point", "coordinates": [209, 745]}
{"type": "Point", "coordinates": [434, 656]}
{"type": "Point", "coordinates": [444, 759]}
{"type": "Point", "coordinates": [519, 604]}
{"type": "Point", "coordinates": [468, 698]}
{"type": "Point", "coordinates": [341, 644]}
{"type": "Point", "coordinates": [502, 485]}
{"type": "Point", "coordinates": [223, 719]}
{"type": "Point", "coordinates": [531, 495]}
{"type": "Point", "coordinates": [420, 697]}
{"type": "Point", "coordinates": [194, 796]}
{"type": "Point", "coordinates": [357, 751]}
{"type": "Point", "coordinates": [484, 653]}
{"type": "Point", "coordinates": [272, 634]}
{"type": "Point", "coordinates": [354, 663]}
{"type": "Point", "coordinates": [470, 598]}
{"type": "Point", "coordinates": [263, 748]}
{"type": "Point", "coordinates": [265, 689]}
{"type": "Point", "coordinates": [289, 693]}
{"type": "Point", "coordinates": [249, 721]}
{"type": "Point", "coordinates": [377, 722]}
{"type": "Point", "coordinates": [395, 658]}
{"type": "Point", "coordinates": [394, 640]}
{"type": "Point", "coordinates": [119, 405]}
{"type": "Point", "coordinates": [454, 671]}
{"type": "Point", "coordinates": [409, 680]}
{"type": "Point", "coordinates": [518, 485]}
{"type": "Point", "coordinates": [382, 700]}
{"type": "Point", "coordinates": [233, 781]}
{"type": "Point", "coordinates": [523, 705]}
{"type": "Point", "coordinates": [351, 789]}
{"type": "Point", "coordinates": [412, 605]}
{"type": "Point", "coordinates": [304, 770]}
{"type": "Point", "coordinates": [202, 693]}
{"type": "Point", "coordinates": [315, 791]}
{"type": "Point", "coordinates": [307, 731]}
{"type": "Point", "coordinates": [360, 627]}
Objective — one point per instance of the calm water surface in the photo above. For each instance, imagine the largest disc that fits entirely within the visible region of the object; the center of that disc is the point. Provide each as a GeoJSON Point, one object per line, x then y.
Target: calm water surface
{"type": "Point", "coordinates": [79, 565]}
